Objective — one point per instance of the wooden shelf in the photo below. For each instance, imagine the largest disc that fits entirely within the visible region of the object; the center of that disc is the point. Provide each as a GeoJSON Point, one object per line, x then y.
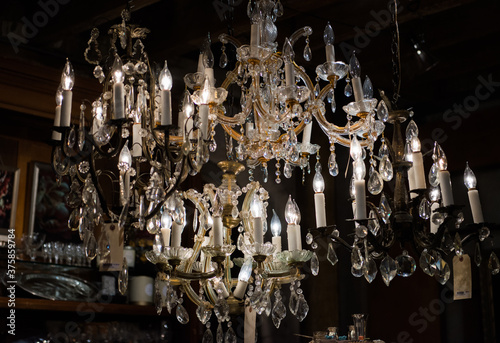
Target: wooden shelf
{"type": "Point", "coordinates": [79, 306]}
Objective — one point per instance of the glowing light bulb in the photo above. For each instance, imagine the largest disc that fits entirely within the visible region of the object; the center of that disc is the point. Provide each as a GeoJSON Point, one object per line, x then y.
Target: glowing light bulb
{"type": "Point", "coordinates": [68, 77]}
{"type": "Point", "coordinates": [318, 183]}
{"type": "Point", "coordinates": [187, 104]}
{"type": "Point", "coordinates": [469, 177]}
{"type": "Point", "coordinates": [166, 220]}
{"type": "Point", "coordinates": [125, 158]}
{"type": "Point", "coordinates": [354, 67]}
{"type": "Point", "coordinates": [246, 270]}
{"type": "Point", "coordinates": [359, 169]}
{"type": "Point", "coordinates": [328, 36]}
{"type": "Point", "coordinates": [59, 95]}
{"type": "Point", "coordinates": [291, 215]}
{"type": "Point", "coordinates": [165, 78]}
{"type": "Point", "coordinates": [440, 157]}
{"type": "Point", "coordinates": [256, 206]}
{"type": "Point", "coordinates": [297, 213]}
{"type": "Point", "coordinates": [205, 92]}
{"type": "Point", "coordinates": [117, 70]}
{"type": "Point", "coordinates": [415, 144]}
{"type": "Point", "coordinates": [356, 150]}
{"type": "Point", "coordinates": [275, 225]}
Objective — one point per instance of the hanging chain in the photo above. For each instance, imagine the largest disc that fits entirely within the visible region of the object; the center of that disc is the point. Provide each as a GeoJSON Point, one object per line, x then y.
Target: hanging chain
{"type": "Point", "coordinates": [396, 58]}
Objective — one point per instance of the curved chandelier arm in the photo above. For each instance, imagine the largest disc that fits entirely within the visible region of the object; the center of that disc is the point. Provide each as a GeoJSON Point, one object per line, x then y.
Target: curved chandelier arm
{"type": "Point", "coordinates": [303, 32]}
{"type": "Point", "coordinates": [224, 38]}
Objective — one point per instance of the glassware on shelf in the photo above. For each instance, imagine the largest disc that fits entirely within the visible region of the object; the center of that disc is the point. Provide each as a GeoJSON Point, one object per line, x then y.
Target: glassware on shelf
{"type": "Point", "coordinates": [360, 326]}
{"type": "Point", "coordinates": [32, 242]}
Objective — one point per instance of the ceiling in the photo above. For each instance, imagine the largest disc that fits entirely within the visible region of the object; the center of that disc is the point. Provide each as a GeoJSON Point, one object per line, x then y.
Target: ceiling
{"type": "Point", "coordinates": [461, 37]}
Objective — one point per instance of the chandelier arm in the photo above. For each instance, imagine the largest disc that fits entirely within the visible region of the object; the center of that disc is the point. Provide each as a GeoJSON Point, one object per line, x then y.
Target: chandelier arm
{"type": "Point", "coordinates": [339, 240]}
{"type": "Point", "coordinates": [170, 156]}
{"type": "Point", "coordinates": [224, 38]}
{"type": "Point", "coordinates": [98, 188]}
{"type": "Point", "coordinates": [303, 32]}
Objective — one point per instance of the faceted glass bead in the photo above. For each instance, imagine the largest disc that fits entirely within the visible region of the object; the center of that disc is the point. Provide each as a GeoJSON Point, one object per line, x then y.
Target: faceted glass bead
{"type": "Point", "coordinates": [348, 90]}
{"type": "Point", "coordinates": [427, 263]}
{"type": "Point", "coordinates": [331, 256]}
{"type": "Point", "coordinates": [406, 264]}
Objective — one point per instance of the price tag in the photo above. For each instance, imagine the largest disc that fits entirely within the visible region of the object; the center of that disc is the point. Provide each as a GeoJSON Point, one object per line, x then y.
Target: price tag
{"type": "Point", "coordinates": [114, 261]}
{"type": "Point", "coordinates": [462, 279]}
{"type": "Point", "coordinates": [250, 319]}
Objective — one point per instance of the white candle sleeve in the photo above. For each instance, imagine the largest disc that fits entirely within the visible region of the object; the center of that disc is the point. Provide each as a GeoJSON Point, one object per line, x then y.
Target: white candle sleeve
{"type": "Point", "coordinates": [254, 36]}
{"type": "Point", "coordinates": [330, 53]}
{"type": "Point", "coordinates": [277, 243]}
{"type": "Point", "coordinates": [353, 205]}
{"type": "Point", "coordinates": [176, 235]}
{"type": "Point", "coordinates": [418, 171]}
{"type": "Point", "coordinates": [475, 206]}
{"type": "Point", "coordinates": [218, 234]}
{"type": "Point", "coordinates": [165, 235]}
{"type": "Point", "coordinates": [360, 197]}
{"type": "Point", "coordinates": [411, 182]}
{"type": "Point", "coordinates": [66, 108]}
{"type": "Point", "coordinates": [292, 237]}
{"type": "Point", "coordinates": [357, 88]}
{"type": "Point", "coordinates": [57, 122]}
{"type": "Point", "coordinates": [289, 74]}
{"type": "Point", "coordinates": [258, 233]}
{"type": "Point", "coordinates": [137, 140]}
{"type": "Point", "coordinates": [319, 206]}
{"type": "Point", "coordinates": [181, 122]}
{"type": "Point", "coordinates": [239, 291]}
{"type": "Point", "coordinates": [165, 108]}
{"type": "Point", "coordinates": [445, 186]}
{"type": "Point", "coordinates": [204, 121]}
{"type": "Point", "coordinates": [306, 138]}
{"type": "Point", "coordinates": [298, 236]}
{"type": "Point", "coordinates": [434, 227]}
{"type": "Point", "coordinates": [189, 128]}
{"type": "Point", "coordinates": [118, 101]}
{"type": "Point", "coordinates": [209, 74]}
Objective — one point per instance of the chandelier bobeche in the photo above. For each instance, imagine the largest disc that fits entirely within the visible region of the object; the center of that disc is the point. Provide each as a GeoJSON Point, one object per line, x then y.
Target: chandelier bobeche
{"type": "Point", "coordinates": [132, 125]}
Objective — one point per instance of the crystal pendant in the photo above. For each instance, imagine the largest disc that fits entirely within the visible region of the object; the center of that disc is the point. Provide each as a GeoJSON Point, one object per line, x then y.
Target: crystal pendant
{"type": "Point", "coordinates": [383, 150]}
{"type": "Point", "coordinates": [208, 337]}
{"type": "Point", "coordinates": [333, 167]}
{"type": "Point", "coordinates": [317, 89]}
{"type": "Point", "coordinates": [477, 255]}
{"type": "Point", "coordinates": [424, 209]}
{"type": "Point", "coordinates": [223, 60]}
{"type": "Point", "coordinates": [122, 220]}
{"type": "Point", "coordinates": [292, 303]}
{"type": "Point", "coordinates": [302, 308]}
{"type": "Point", "coordinates": [484, 233]}
{"type": "Point", "coordinates": [123, 278]}
{"type": "Point", "coordinates": [357, 260]}
{"type": "Point", "coordinates": [307, 53]}
{"type": "Point", "coordinates": [309, 238]}
{"type": "Point", "coordinates": [494, 264]}
{"type": "Point", "coordinates": [357, 272]}
{"type": "Point", "coordinates": [426, 262]}
{"type": "Point", "coordinates": [348, 90]}
{"type": "Point", "coordinates": [388, 269]}
{"type": "Point", "coordinates": [287, 170]}
{"type": "Point", "coordinates": [373, 224]}
{"type": "Point", "coordinates": [457, 245]}
{"type": "Point", "coordinates": [314, 264]}
{"type": "Point", "coordinates": [230, 336]}
{"type": "Point", "coordinates": [181, 314]}
{"type": "Point", "coordinates": [90, 245]}
{"type": "Point", "coordinates": [406, 264]}
{"type": "Point", "coordinates": [279, 309]}
{"type": "Point", "coordinates": [367, 88]}
{"type": "Point", "coordinates": [443, 271]}
{"type": "Point", "coordinates": [158, 300]}
{"type": "Point", "coordinates": [370, 270]}
{"type": "Point", "coordinates": [385, 169]}
{"type": "Point", "coordinates": [221, 309]}
{"type": "Point", "coordinates": [203, 312]}
{"type": "Point", "coordinates": [361, 231]}
{"type": "Point", "coordinates": [71, 140]}
{"type": "Point", "coordinates": [333, 105]}
{"type": "Point", "coordinates": [331, 256]}
{"type": "Point", "coordinates": [329, 96]}
{"type": "Point", "coordinates": [375, 182]}
{"type": "Point", "coordinates": [384, 209]}
{"type": "Point", "coordinates": [220, 334]}
{"type": "Point", "coordinates": [269, 306]}
{"type": "Point", "coordinates": [382, 111]}
{"type": "Point", "coordinates": [171, 298]}
{"type": "Point", "coordinates": [433, 175]}
{"type": "Point", "coordinates": [411, 130]}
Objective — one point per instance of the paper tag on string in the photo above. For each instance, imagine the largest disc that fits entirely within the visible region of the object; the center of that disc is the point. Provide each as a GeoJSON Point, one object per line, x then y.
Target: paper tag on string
{"type": "Point", "coordinates": [250, 320]}
{"type": "Point", "coordinates": [462, 278]}
{"type": "Point", "coordinates": [113, 262]}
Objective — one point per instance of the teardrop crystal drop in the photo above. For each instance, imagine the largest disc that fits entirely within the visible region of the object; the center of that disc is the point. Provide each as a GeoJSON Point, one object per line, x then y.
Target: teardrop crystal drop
{"type": "Point", "coordinates": [373, 224]}
{"type": "Point", "coordinates": [314, 264]}
{"type": "Point", "coordinates": [287, 170]}
{"type": "Point", "coordinates": [333, 167]}
{"type": "Point", "coordinates": [375, 183]}
{"type": "Point", "coordinates": [357, 260]}
{"type": "Point", "coordinates": [370, 270]}
{"type": "Point", "coordinates": [382, 111]}
{"type": "Point", "coordinates": [388, 269]}
{"type": "Point", "coordinates": [477, 255]}
{"type": "Point", "coordinates": [208, 337]}
{"type": "Point", "coordinates": [333, 105]}
{"type": "Point", "coordinates": [317, 89]}
{"type": "Point", "coordinates": [123, 278]}
{"type": "Point", "coordinates": [90, 245]}
{"type": "Point", "coordinates": [424, 209]}
{"type": "Point", "coordinates": [348, 90]}
{"type": "Point", "coordinates": [223, 60]}
{"type": "Point", "coordinates": [70, 142]}
{"type": "Point", "coordinates": [385, 169]}
{"type": "Point", "coordinates": [181, 314]}
{"type": "Point", "coordinates": [367, 88]}
{"type": "Point", "coordinates": [220, 334]}
{"type": "Point", "coordinates": [494, 264]}
{"type": "Point", "coordinates": [230, 336]}
{"type": "Point", "coordinates": [443, 271]}
{"type": "Point", "coordinates": [383, 151]}
{"type": "Point", "coordinates": [307, 53]}
{"type": "Point", "coordinates": [331, 255]}
{"type": "Point", "coordinates": [203, 312]}
{"type": "Point", "coordinates": [433, 175]}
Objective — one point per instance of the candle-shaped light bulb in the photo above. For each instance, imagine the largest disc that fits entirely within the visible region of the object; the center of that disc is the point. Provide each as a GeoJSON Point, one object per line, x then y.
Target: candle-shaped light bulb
{"type": "Point", "coordinates": [166, 220]}
{"type": "Point", "coordinates": [256, 206]}
{"type": "Point", "coordinates": [290, 211]}
{"type": "Point", "coordinates": [318, 183]}
{"type": "Point", "coordinates": [205, 92]}
{"type": "Point", "coordinates": [297, 214]}
{"type": "Point", "coordinates": [68, 77]}
{"type": "Point", "coordinates": [434, 194]}
{"type": "Point", "coordinates": [288, 53]}
{"type": "Point", "coordinates": [328, 36]}
{"type": "Point", "coordinates": [117, 70]}
{"type": "Point", "coordinates": [356, 151]}
{"type": "Point", "coordinates": [359, 169]}
{"type": "Point", "coordinates": [125, 159]}
{"type": "Point", "coordinates": [275, 225]}
{"type": "Point", "coordinates": [469, 178]}
{"type": "Point", "coordinates": [165, 78]}
{"type": "Point", "coordinates": [354, 67]}
{"type": "Point", "coordinates": [59, 95]}
{"type": "Point", "coordinates": [246, 270]}
{"type": "Point", "coordinates": [187, 104]}
{"type": "Point", "coordinates": [415, 144]}
{"type": "Point", "coordinates": [441, 159]}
